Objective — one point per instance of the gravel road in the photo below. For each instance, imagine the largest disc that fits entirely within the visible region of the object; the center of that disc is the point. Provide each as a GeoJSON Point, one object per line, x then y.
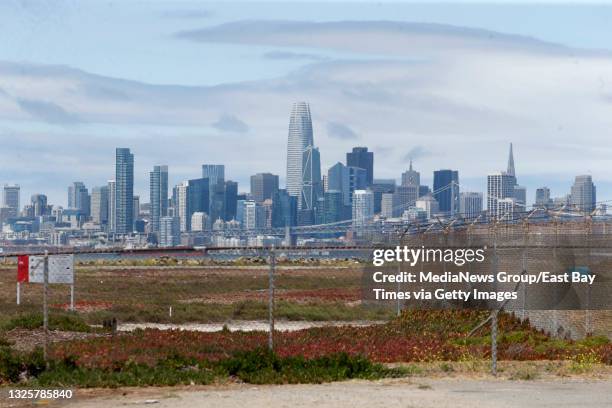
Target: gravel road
{"type": "Point", "coordinates": [404, 393]}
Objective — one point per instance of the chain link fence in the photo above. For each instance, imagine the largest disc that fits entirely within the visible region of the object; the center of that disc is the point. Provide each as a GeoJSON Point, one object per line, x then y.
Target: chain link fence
{"type": "Point", "coordinates": [277, 291]}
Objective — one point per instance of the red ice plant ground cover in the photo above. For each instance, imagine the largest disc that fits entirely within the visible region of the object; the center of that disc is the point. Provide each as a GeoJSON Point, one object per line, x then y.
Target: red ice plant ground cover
{"type": "Point", "coordinates": [416, 336]}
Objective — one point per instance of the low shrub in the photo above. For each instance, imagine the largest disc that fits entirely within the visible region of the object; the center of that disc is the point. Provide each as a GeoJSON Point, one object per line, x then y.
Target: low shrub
{"type": "Point", "coordinates": [262, 367]}
{"type": "Point", "coordinates": [15, 366]}
{"type": "Point", "coordinates": [256, 367]}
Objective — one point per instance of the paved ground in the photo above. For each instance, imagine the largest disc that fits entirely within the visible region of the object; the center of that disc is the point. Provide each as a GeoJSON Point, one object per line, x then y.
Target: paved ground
{"type": "Point", "coordinates": [405, 393]}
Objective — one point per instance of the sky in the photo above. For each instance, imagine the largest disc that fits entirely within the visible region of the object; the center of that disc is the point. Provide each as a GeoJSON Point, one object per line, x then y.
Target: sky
{"type": "Point", "coordinates": [184, 83]}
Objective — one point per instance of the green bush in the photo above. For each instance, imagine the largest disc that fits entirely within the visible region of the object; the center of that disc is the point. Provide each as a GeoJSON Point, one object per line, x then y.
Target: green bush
{"type": "Point", "coordinates": [131, 375]}
{"type": "Point", "coordinates": [256, 367]}
{"type": "Point", "coordinates": [593, 341]}
{"type": "Point", "coordinates": [262, 367]}
{"type": "Point", "coordinates": [13, 363]}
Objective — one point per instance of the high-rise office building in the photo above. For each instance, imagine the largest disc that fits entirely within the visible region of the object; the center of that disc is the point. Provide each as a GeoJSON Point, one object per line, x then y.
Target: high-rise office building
{"type": "Point", "coordinates": [347, 180]}
{"type": "Point", "coordinates": [390, 206]}
{"type": "Point", "coordinates": [124, 191]}
{"type": "Point", "coordinates": [380, 187]}
{"type": "Point", "coordinates": [182, 206]}
{"type": "Point", "coordinates": [254, 215]}
{"type": "Point", "coordinates": [411, 177]}
{"type": "Point", "coordinates": [263, 186]}
{"type": "Point", "coordinates": [299, 138]}
{"type": "Point", "coordinates": [542, 198]}
{"type": "Point", "coordinates": [158, 192]}
{"type": "Point", "coordinates": [406, 197]}
{"type": "Point", "coordinates": [169, 232]}
{"type": "Point", "coordinates": [215, 173]}
{"type": "Point", "coordinates": [583, 194]}
{"type": "Point", "coordinates": [363, 207]}
{"type": "Point", "coordinates": [446, 190]}
{"type": "Point", "coordinates": [99, 205]}
{"type": "Point", "coordinates": [312, 188]}
{"type": "Point", "coordinates": [360, 157]}
{"type": "Point", "coordinates": [199, 221]}
{"type": "Point", "coordinates": [333, 206]}
{"type": "Point", "coordinates": [79, 199]}
{"type": "Point", "coordinates": [74, 191]}
{"type": "Point", "coordinates": [198, 199]}
{"type": "Point", "coordinates": [284, 209]}
{"type": "Point", "coordinates": [39, 204]}
{"type": "Point", "coordinates": [11, 198]}
{"type": "Point", "coordinates": [470, 204]}
{"type": "Point", "coordinates": [112, 209]}
{"type": "Point", "coordinates": [231, 199]}
{"type": "Point", "coordinates": [507, 208]}
{"type": "Point", "coordinates": [136, 207]}
{"type": "Point", "coordinates": [429, 205]}
{"type": "Point", "coordinates": [520, 195]}
{"type": "Point", "coordinates": [500, 186]}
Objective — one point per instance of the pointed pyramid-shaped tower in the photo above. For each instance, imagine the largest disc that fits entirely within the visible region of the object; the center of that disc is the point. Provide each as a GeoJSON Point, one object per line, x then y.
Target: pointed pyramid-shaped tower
{"type": "Point", "coordinates": [510, 170]}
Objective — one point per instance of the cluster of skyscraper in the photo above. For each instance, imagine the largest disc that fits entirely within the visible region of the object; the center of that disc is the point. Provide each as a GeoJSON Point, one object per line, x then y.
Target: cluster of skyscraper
{"type": "Point", "coordinates": [212, 204]}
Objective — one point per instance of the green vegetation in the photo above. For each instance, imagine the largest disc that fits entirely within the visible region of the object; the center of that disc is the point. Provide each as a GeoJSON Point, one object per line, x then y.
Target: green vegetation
{"type": "Point", "coordinates": [256, 367]}
{"type": "Point", "coordinates": [242, 310]}
{"type": "Point", "coordinates": [584, 362]}
{"type": "Point", "coordinates": [13, 364]}
{"type": "Point", "coordinates": [198, 294]}
{"type": "Point", "coordinates": [64, 321]}
{"type": "Point", "coordinates": [263, 367]}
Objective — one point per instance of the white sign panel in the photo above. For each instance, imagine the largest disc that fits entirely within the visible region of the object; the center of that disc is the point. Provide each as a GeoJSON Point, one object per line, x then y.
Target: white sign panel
{"type": "Point", "coordinates": [61, 269]}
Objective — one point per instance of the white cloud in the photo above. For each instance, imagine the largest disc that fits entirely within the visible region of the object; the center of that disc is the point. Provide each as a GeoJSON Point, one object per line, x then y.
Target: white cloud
{"type": "Point", "coordinates": [461, 94]}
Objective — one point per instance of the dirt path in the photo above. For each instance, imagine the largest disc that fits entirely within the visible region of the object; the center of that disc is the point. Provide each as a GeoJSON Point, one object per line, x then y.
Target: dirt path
{"type": "Point", "coordinates": [404, 393]}
{"type": "Point", "coordinates": [245, 325]}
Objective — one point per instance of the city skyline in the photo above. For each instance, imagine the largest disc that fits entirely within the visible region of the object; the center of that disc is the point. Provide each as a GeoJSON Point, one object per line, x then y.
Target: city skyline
{"type": "Point", "coordinates": [215, 173]}
{"type": "Point", "coordinates": [501, 185]}
{"type": "Point", "coordinates": [62, 114]}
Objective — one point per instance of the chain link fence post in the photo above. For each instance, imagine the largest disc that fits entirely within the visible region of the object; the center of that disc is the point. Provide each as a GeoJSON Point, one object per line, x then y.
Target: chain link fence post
{"type": "Point", "coordinates": [271, 299]}
{"type": "Point", "coordinates": [524, 270]}
{"type": "Point", "coordinates": [46, 306]}
{"type": "Point", "coordinates": [495, 311]}
{"type": "Point", "coordinates": [399, 289]}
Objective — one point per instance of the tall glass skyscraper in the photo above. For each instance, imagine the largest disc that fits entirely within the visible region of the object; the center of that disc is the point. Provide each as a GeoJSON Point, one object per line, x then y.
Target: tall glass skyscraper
{"type": "Point", "coordinates": [583, 196]}
{"type": "Point", "coordinates": [500, 191]}
{"type": "Point", "coordinates": [299, 138]}
{"type": "Point", "coordinates": [112, 203]}
{"type": "Point", "coordinates": [124, 191]}
{"type": "Point", "coordinates": [263, 186]}
{"type": "Point", "coordinates": [360, 157]}
{"type": "Point", "coordinates": [99, 205]}
{"type": "Point", "coordinates": [215, 173]}
{"type": "Point", "coordinates": [158, 191]}
{"type": "Point", "coordinates": [312, 188]}
{"type": "Point", "coordinates": [446, 190]}
{"type": "Point", "coordinates": [10, 199]}
{"type": "Point", "coordinates": [231, 199]}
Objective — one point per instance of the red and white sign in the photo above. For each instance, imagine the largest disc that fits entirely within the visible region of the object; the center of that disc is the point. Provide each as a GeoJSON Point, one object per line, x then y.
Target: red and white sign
{"type": "Point", "coordinates": [23, 269]}
{"type": "Point", "coordinates": [32, 269]}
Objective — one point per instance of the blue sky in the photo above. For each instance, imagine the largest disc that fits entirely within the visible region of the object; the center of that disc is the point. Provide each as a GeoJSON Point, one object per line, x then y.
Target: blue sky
{"type": "Point", "coordinates": [186, 83]}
